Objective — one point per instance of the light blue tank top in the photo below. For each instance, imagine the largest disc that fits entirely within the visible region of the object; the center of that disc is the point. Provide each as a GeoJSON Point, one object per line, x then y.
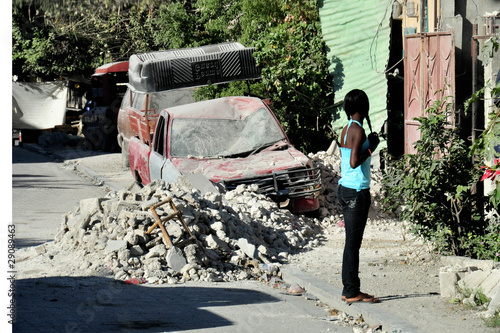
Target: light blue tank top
{"type": "Point", "coordinates": [359, 177]}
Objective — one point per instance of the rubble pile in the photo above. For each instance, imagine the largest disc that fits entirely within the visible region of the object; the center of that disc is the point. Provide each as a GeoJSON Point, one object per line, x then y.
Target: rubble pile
{"type": "Point", "coordinates": [239, 229]}
{"type": "Point", "coordinates": [236, 235]}
{"type": "Point", "coordinates": [330, 173]}
{"type": "Point", "coordinates": [329, 163]}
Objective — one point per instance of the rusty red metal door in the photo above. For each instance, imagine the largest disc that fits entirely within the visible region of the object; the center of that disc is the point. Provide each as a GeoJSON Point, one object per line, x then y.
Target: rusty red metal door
{"type": "Point", "coordinates": [429, 77]}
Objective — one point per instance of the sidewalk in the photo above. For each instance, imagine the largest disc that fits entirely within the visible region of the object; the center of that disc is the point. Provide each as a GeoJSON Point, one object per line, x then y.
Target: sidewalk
{"type": "Point", "coordinates": [329, 294]}
{"type": "Point", "coordinates": [104, 169]}
{"type": "Point", "coordinates": [418, 309]}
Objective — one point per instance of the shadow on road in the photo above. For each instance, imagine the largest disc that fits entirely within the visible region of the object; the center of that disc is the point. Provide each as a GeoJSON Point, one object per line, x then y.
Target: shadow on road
{"type": "Point", "coordinates": [28, 242]}
{"type": "Point", "coordinates": [96, 304]}
{"type": "Point", "coordinates": [395, 297]}
{"type": "Point", "coordinates": [55, 153]}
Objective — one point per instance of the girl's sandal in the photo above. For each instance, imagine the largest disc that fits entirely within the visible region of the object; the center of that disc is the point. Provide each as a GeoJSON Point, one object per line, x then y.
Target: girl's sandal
{"type": "Point", "coordinates": [361, 298]}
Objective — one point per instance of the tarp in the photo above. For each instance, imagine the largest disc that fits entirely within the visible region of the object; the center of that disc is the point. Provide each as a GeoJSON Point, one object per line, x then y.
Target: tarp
{"type": "Point", "coordinates": [38, 105]}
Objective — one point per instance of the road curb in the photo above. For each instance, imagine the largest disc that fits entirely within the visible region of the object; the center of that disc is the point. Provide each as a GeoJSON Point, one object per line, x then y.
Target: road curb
{"type": "Point", "coordinates": [98, 179]}
{"type": "Point", "coordinates": [88, 172]}
{"type": "Point", "coordinates": [330, 295]}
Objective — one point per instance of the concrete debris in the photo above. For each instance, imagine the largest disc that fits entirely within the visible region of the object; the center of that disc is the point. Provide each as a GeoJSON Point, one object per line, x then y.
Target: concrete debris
{"type": "Point", "coordinates": [295, 289]}
{"type": "Point", "coordinates": [357, 322]}
{"type": "Point", "coordinates": [463, 278]}
{"type": "Point", "coordinates": [238, 235]}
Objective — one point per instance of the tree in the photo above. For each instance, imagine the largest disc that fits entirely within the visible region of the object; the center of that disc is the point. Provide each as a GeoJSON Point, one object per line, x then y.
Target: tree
{"type": "Point", "coordinates": [433, 186]}
{"type": "Point", "coordinates": [291, 52]}
{"type": "Point", "coordinates": [295, 73]}
{"type": "Point", "coordinates": [38, 50]}
{"type": "Point", "coordinates": [73, 37]}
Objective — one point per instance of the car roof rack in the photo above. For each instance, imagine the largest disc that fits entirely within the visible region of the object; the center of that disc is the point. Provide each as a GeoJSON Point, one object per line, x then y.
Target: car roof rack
{"type": "Point", "coordinates": [192, 67]}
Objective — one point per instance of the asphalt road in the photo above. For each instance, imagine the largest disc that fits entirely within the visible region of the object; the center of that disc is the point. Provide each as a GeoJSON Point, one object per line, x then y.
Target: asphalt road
{"type": "Point", "coordinates": [93, 304]}
{"type": "Point", "coordinates": [42, 192]}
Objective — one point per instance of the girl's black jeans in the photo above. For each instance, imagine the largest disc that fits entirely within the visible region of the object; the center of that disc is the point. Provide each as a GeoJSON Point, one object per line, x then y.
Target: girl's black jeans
{"type": "Point", "coordinates": [355, 206]}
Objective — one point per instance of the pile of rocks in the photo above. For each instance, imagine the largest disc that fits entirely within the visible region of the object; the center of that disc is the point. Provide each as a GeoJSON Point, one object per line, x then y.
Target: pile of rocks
{"type": "Point", "coordinates": [329, 163]}
{"type": "Point", "coordinates": [236, 235]}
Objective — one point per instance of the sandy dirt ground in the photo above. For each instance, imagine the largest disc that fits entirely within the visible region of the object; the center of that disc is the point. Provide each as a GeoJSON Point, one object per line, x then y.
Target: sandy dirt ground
{"type": "Point", "coordinates": [398, 269]}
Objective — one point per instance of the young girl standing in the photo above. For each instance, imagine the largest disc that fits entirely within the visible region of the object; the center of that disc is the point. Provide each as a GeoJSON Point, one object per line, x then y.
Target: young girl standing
{"type": "Point", "coordinates": [354, 190]}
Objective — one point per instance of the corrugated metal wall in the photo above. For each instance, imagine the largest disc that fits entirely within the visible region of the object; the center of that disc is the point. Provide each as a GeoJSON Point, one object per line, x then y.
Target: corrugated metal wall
{"type": "Point", "coordinates": [357, 34]}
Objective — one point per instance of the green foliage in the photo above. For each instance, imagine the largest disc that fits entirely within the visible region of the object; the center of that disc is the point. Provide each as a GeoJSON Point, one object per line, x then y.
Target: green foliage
{"type": "Point", "coordinates": [239, 88]}
{"type": "Point", "coordinates": [476, 299]}
{"type": "Point", "coordinates": [177, 27]}
{"type": "Point", "coordinates": [220, 19]}
{"type": "Point", "coordinates": [296, 76]}
{"type": "Point", "coordinates": [73, 37]}
{"type": "Point", "coordinates": [493, 321]}
{"type": "Point", "coordinates": [482, 148]}
{"type": "Point", "coordinates": [486, 245]}
{"type": "Point", "coordinates": [39, 50]}
{"type": "Point", "coordinates": [433, 186]}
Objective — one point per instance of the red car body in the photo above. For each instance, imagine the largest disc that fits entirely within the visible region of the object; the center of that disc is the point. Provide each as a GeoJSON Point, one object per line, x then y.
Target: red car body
{"type": "Point", "coordinates": [230, 141]}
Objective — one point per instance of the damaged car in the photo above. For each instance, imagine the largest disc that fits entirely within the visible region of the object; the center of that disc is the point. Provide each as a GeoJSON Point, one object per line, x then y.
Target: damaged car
{"type": "Point", "coordinates": [230, 141]}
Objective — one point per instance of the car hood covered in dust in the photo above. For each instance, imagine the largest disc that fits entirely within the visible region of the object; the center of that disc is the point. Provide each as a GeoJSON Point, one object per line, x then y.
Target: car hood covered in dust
{"type": "Point", "coordinates": [275, 158]}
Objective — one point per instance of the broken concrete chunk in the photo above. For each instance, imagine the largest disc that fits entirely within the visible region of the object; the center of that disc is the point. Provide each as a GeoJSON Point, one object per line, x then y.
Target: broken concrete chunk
{"type": "Point", "coordinates": [158, 250]}
{"type": "Point", "coordinates": [147, 204]}
{"type": "Point", "coordinates": [136, 251]}
{"type": "Point", "coordinates": [214, 242]}
{"type": "Point", "coordinates": [131, 238]}
{"type": "Point", "coordinates": [91, 206]}
{"type": "Point", "coordinates": [448, 279]}
{"type": "Point", "coordinates": [241, 224]}
{"type": "Point", "coordinates": [142, 237]}
{"type": "Point", "coordinates": [189, 267]}
{"type": "Point", "coordinates": [217, 226]}
{"type": "Point", "coordinates": [295, 289]}
{"type": "Point", "coordinates": [79, 221]}
{"type": "Point", "coordinates": [123, 255]}
{"type": "Point", "coordinates": [175, 259]}
{"type": "Point", "coordinates": [247, 248]}
{"type": "Point", "coordinates": [174, 229]}
{"type": "Point", "coordinates": [116, 245]}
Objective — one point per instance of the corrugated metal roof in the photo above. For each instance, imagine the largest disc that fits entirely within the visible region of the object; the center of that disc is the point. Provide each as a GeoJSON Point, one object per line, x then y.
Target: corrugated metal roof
{"type": "Point", "coordinates": [357, 35]}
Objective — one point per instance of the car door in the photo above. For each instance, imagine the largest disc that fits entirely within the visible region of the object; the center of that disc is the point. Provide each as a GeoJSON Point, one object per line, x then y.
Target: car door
{"type": "Point", "coordinates": [157, 156]}
{"type": "Point", "coordinates": [160, 167]}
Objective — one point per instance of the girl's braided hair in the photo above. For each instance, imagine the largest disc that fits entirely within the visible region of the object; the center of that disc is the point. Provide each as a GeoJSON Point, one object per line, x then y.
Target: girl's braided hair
{"type": "Point", "coordinates": [356, 100]}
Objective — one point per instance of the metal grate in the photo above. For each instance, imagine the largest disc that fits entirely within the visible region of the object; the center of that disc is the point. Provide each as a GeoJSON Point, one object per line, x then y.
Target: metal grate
{"type": "Point", "coordinates": [280, 185]}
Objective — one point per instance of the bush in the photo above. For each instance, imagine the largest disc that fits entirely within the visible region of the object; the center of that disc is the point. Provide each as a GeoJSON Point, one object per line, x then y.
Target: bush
{"type": "Point", "coordinates": [486, 245]}
{"type": "Point", "coordinates": [433, 186]}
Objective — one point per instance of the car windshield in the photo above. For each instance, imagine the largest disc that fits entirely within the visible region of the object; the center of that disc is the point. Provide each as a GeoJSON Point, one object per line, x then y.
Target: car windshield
{"type": "Point", "coordinates": [202, 137]}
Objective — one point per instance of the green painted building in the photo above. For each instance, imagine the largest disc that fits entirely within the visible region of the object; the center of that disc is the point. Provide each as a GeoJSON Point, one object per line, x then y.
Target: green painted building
{"type": "Point", "coordinates": [357, 35]}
